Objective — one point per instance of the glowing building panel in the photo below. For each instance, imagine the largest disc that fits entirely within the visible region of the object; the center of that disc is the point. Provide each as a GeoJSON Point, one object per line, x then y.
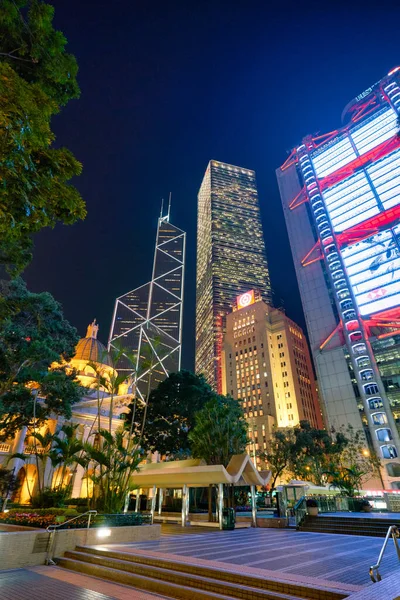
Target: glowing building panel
{"type": "Point", "coordinates": [335, 156]}
{"type": "Point", "coordinates": [373, 268]}
{"type": "Point", "coordinates": [350, 202]}
{"type": "Point", "coordinates": [376, 130]}
{"type": "Point", "coordinates": [385, 177]}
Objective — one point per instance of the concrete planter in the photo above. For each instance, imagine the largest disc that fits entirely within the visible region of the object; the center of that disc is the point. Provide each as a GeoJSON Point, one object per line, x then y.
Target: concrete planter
{"type": "Point", "coordinates": [312, 511]}
{"type": "Point", "coordinates": [20, 549]}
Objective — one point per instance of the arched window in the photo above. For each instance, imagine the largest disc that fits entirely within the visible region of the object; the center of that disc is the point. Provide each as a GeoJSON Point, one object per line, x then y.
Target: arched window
{"type": "Point", "coordinates": [384, 435]}
{"type": "Point", "coordinates": [389, 451]}
{"type": "Point", "coordinates": [375, 403]}
{"type": "Point", "coordinates": [371, 388]}
{"type": "Point", "coordinates": [379, 418]}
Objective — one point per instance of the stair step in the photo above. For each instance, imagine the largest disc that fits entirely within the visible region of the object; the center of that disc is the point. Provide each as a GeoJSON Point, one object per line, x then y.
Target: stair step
{"type": "Point", "coordinates": [171, 590]}
{"type": "Point", "coordinates": [166, 582]}
{"type": "Point", "coordinates": [214, 573]}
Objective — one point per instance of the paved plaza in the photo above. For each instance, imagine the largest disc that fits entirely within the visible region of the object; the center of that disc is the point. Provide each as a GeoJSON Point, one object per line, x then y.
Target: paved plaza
{"type": "Point", "coordinates": [53, 583]}
{"type": "Point", "coordinates": [341, 560]}
{"type": "Point", "coordinates": [337, 562]}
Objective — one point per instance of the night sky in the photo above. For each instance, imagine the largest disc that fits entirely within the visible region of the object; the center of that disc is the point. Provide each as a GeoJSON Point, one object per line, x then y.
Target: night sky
{"type": "Point", "coordinates": [167, 86]}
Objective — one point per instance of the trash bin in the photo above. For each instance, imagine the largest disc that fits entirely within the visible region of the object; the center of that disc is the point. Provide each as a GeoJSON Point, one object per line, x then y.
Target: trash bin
{"type": "Point", "coordinates": [228, 518]}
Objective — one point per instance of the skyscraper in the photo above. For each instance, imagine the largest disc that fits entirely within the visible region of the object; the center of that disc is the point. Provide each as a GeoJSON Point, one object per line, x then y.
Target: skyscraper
{"type": "Point", "coordinates": [341, 199]}
{"type": "Point", "coordinates": [230, 257]}
{"type": "Point", "coordinates": [148, 320]}
{"type": "Point", "coordinates": [267, 366]}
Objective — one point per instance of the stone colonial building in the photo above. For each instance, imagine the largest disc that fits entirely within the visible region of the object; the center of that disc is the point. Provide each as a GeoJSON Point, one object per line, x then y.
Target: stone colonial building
{"type": "Point", "coordinates": [90, 360]}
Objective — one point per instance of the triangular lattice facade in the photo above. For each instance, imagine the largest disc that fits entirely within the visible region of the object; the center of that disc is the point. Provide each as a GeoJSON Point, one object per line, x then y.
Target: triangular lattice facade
{"type": "Point", "coordinates": [148, 320]}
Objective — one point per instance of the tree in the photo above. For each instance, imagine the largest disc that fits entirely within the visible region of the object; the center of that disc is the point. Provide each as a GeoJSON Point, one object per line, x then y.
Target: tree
{"type": "Point", "coordinates": [280, 454]}
{"type": "Point", "coordinates": [114, 460]}
{"type": "Point", "coordinates": [33, 336]}
{"type": "Point", "coordinates": [37, 78]}
{"type": "Point", "coordinates": [315, 451]}
{"type": "Point", "coordinates": [66, 453]}
{"type": "Point", "coordinates": [9, 483]}
{"type": "Point", "coordinates": [355, 464]}
{"type": "Point", "coordinates": [220, 431]}
{"type": "Point", "coordinates": [171, 412]}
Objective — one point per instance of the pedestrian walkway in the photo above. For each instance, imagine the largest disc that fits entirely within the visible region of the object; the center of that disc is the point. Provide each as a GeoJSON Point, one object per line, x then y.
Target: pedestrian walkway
{"type": "Point", "coordinates": [52, 583]}
{"type": "Point", "coordinates": [339, 560]}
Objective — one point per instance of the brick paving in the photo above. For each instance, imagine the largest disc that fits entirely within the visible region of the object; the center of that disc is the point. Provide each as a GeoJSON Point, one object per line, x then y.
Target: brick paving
{"type": "Point", "coordinates": [339, 559]}
{"type": "Point", "coordinates": [53, 583]}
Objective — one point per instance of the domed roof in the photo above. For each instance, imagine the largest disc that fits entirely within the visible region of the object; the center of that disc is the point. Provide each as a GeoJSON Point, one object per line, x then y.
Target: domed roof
{"type": "Point", "coordinates": [90, 349]}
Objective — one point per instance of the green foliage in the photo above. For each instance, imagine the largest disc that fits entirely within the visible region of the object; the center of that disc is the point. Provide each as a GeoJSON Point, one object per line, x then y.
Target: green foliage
{"type": "Point", "coordinates": [355, 464]}
{"type": "Point", "coordinates": [281, 452]}
{"type": "Point", "coordinates": [48, 498]}
{"type": "Point", "coordinates": [315, 451]}
{"type": "Point", "coordinates": [33, 335]}
{"type": "Point", "coordinates": [37, 77]}
{"type": "Point", "coordinates": [8, 483]}
{"type": "Point", "coordinates": [220, 431]}
{"type": "Point", "coordinates": [171, 413]}
{"type": "Point", "coordinates": [114, 461]}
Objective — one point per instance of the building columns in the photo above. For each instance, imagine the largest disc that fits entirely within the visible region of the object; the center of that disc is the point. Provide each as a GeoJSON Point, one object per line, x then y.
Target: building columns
{"type": "Point", "coordinates": [253, 506]}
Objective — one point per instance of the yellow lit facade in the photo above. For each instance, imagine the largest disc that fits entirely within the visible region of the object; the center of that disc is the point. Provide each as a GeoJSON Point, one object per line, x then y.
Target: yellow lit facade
{"type": "Point", "coordinates": [267, 366]}
{"type": "Point", "coordinates": [230, 258]}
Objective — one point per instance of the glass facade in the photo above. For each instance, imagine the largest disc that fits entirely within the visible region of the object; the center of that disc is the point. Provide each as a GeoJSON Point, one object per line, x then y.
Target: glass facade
{"type": "Point", "coordinates": [351, 182]}
{"type": "Point", "coordinates": [148, 320]}
{"type": "Point", "coordinates": [231, 257]}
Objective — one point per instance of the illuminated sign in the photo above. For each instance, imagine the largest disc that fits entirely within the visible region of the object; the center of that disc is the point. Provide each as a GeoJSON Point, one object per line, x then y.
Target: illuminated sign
{"type": "Point", "coordinates": [245, 299]}
{"type": "Point", "coordinates": [373, 268]}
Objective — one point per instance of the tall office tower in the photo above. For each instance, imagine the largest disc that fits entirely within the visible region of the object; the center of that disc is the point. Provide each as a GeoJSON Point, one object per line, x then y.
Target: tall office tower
{"type": "Point", "coordinates": [341, 199]}
{"type": "Point", "coordinates": [267, 366]}
{"type": "Point", "coordinates": [148, 320]}
{"type": "Point", "coordinates": [230, 257]}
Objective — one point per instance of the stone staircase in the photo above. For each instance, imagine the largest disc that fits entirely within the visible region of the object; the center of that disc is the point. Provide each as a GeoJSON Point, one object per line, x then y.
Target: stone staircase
{"type": "Point", "coordinates": [175, 579]}
{"type": "Point", "coordinates": [375, 527]}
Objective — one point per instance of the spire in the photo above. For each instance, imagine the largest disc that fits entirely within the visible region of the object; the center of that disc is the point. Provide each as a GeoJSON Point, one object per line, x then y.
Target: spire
{"type": "Point", "coordinates": [169, 206]}
{"type": "Point", "coordinates": [162, 208]}
{"type": "Point", "coordinates": [92, 330]}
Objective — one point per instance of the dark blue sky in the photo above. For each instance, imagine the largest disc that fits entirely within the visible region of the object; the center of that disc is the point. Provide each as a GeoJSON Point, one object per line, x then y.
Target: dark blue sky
{"type": "Point", "coordinates": [166, 86]}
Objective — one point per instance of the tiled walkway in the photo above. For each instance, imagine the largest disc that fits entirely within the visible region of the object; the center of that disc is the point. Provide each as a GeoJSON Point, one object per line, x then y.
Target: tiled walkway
{"type": "Point", "coordinates": [342, 559]}
{"type": "Point", "coordinates": [52, 583]}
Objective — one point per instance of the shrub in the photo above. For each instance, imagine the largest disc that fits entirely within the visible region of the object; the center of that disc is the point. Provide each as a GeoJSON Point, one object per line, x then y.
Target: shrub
{"type": "Point", "coordinates": [36, 511]}
{"type": "Point", "coordinates": [77, 501]}
{"type": "Point", "coordinates": [28, 519]}
{"type": "Point", "coordinates": [49, 498]}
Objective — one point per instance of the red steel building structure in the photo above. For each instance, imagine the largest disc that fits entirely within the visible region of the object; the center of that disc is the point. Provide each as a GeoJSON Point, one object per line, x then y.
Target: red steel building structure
{"type": "Point", "coordinates": [350, 182]}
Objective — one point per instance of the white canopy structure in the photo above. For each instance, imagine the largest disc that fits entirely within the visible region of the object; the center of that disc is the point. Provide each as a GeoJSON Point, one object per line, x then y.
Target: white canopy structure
{"type": "Point", "coordinates": [195, 473]}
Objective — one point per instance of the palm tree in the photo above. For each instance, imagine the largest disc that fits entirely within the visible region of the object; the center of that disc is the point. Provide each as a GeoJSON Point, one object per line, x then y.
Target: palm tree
{"type": "Point", "coordinates": [117, 458]}
{"type": "Point", "coordinates": [66, 452]}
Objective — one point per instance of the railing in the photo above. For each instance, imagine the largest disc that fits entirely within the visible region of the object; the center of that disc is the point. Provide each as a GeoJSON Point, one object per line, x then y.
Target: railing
{"type": "Point", "coordinates": [394, 533]}
{"type": "Point", "coordinates": [300, 510]}
{"type": "Point", "coordinates": [34, 450]}
{"type": "Point", "coordinates": [52, 529]}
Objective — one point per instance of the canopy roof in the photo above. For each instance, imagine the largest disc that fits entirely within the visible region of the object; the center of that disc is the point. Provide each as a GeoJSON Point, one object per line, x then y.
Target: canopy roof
{"type": "Point", "coordinates": [195, 473]}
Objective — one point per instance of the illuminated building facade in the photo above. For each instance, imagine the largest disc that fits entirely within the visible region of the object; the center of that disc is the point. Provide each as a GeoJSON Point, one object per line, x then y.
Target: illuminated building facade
{"type": "Point", "coordinates": [341, 199]}
{"type": "Point", "coordinates": [267, 366]}
{"type": "Point", "coordinates": [230, 257]}
{"type": "Point", "coordinates": [147, 321]}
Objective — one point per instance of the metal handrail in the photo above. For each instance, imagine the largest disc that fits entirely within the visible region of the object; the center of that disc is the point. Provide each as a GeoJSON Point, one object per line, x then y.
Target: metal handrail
{"type": "Point", "coordinates": [394, 533]}
{"type": "Point", "coordinates": [52, 529]}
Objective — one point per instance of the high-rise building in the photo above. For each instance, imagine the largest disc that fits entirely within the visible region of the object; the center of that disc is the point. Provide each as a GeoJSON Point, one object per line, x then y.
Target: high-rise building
{"type": "Point", "coordinates": [148, 320]}
{"type": "Point", "coordinates": [341, 199]}
{"type": "Point", "coordinates": [230, 257]}
{"type": "Point", "coordinates": [267, 366]}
